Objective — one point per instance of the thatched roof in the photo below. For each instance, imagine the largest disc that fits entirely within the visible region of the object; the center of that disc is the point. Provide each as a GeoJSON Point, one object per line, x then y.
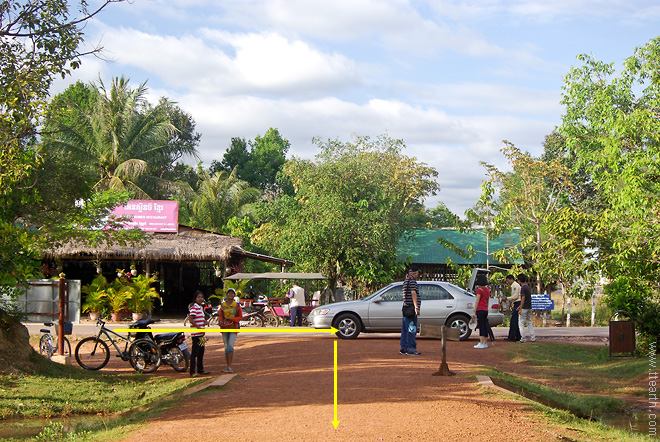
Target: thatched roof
{"type": "Point", "coordinates": [189, 244]}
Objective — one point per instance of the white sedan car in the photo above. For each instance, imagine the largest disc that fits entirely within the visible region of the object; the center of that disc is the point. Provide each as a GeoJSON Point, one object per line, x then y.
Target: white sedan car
{"type": "Point", "coordinates": [442, 303]}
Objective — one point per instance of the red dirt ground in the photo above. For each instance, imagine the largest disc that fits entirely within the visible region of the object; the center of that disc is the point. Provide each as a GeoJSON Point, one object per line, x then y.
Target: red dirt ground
{"type": "Point", "coordinates": [284, 392]}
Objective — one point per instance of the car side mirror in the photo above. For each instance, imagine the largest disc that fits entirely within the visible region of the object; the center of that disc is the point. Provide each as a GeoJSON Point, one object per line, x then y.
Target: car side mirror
{"type": "Point", "coordinates": [378, 300]}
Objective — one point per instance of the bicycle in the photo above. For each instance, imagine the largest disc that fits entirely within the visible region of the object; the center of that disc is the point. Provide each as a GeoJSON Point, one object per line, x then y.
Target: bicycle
{"type": "Point", "coordinates": [48, 343]}
{"type": "Point", "coordinates": [92, 353]}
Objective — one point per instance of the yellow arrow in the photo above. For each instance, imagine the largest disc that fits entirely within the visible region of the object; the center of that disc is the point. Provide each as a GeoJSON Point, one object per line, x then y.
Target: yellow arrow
{"type": "Point", "coordinates": [335, 422]}
{"type": "Point", "coordinates": [228, 330]}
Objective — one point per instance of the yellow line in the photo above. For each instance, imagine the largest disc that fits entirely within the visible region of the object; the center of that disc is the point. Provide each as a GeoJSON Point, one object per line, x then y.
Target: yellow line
{"type": "Point", "coordinates": [228, 330]}
{"type": "Point", "coordinates": [335, 422]}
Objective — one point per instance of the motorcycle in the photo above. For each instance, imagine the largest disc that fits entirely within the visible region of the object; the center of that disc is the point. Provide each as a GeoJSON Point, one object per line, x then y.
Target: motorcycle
{"type": "Point", "coordinates": [173, 348]}
{"type": "Point", "coordinates": [211, 315]}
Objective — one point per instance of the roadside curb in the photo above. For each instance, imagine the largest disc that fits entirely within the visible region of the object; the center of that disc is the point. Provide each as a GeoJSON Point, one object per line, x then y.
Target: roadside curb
{"type": "Point", "coordinates": [220, 381]}
{"type": "Point", "coordinates": [486, 381]}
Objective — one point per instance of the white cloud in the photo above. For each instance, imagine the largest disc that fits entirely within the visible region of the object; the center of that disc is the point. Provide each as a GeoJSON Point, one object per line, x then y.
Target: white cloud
{"type": "Point", "coordinates": [219, 62]}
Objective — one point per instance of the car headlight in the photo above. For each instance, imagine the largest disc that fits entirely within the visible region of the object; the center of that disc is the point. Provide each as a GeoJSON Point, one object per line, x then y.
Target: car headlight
{"type": "Point", "coordinates": [321, 312]}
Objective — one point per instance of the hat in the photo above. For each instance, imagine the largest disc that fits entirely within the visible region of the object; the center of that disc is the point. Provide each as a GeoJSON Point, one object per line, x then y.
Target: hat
{"type": "Point", "coordinates": [413, 268]}
{"type": "Point", "coordinates": [233, 290]}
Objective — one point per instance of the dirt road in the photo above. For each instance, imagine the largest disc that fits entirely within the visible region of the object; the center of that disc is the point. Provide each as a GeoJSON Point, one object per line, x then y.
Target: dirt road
{"type": "Point", "coordinates": [284, 392]}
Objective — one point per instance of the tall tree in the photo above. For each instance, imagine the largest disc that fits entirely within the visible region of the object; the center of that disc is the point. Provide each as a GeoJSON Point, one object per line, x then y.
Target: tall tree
{"type": "Point", "coordinates": [529, 196]}
{"type": "Point", "coordinates": [220, 198]}
{"type": "Point", "coordinates": [258, 161]}
{"type": "Point", "coordinates": [349, 209]}
{"type": "Point", "coordinates": [611, 127]}
{"type": "Point", "coordinates": [123, 139]}
{"type": "Point", "coordinates": [39, 40]}
{"type": "Point", "coordinates": [182, 143]}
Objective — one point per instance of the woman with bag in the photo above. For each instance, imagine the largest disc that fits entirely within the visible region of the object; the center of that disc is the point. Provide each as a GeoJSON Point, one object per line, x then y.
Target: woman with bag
{"type": "Point", "coordinates": [230, 317]}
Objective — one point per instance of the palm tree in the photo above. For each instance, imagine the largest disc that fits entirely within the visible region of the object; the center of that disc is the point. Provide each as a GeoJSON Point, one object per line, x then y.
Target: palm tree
{"type": "Point", "coordinates": [220, 197]}
{"type": "Point", "coordinates": [120, 137]}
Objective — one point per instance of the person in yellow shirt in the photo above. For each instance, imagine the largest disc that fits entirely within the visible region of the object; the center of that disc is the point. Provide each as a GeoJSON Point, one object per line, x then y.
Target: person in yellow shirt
{"type": "Point", "coordinates": [230, 316]}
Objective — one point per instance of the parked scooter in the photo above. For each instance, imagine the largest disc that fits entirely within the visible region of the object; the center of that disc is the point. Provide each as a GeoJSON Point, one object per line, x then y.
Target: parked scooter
{"type": "Point", "coordinates": [173, 348]}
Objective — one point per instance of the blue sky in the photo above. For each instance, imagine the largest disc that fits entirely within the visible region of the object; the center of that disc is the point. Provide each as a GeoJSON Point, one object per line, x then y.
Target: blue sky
{"type": "Point", "coordinates": [451, 78]}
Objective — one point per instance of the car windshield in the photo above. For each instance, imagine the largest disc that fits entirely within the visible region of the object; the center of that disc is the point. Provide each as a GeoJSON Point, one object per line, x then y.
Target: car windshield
{"type": "Point", "coordinates": [379, 292]}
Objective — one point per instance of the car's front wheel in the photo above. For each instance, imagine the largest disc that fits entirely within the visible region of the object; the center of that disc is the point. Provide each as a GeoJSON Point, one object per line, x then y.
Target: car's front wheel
{"type": "Point", "coordinates": [349, 326]}
{"type": "Point", "coordinates": [461, 322]}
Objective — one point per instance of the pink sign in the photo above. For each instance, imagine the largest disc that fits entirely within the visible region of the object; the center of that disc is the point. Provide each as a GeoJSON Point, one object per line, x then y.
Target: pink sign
{"type": "Point", "coordinates": [150, 215]}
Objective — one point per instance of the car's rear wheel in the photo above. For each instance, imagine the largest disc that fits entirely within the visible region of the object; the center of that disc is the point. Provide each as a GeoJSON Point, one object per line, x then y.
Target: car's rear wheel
{"type": "Point", "coordinates": [349, 326]}
{"type": "Point", "coordinates": [461, 322]}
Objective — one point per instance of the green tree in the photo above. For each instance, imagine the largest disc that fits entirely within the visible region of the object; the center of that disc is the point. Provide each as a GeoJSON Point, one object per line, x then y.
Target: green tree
{"type": "Point", "coordinates": [182, 143]}
{"type": "Point", "coordinates": [611, 128]}
{"type": "Point", "coordinates": [348, 211]}
{"type": "Point", "coordinates": [39, 40]}
{"type": "Point", "coordinates": [259, 161]}
{"type": "Point", "coordinates": [124, 140]}
{"type": "Point", "coordinates": [530, 197]}
{"type": "Point", "coordinates": [220, 198]}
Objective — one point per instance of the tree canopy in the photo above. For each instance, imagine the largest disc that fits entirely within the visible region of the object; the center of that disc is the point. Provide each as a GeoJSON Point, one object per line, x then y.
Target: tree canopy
{"type": "Point", "coordinates": [611, 128]}
{"type": "Point", "coordinates": [122, 139]}
{"type": "Point", "coordinates": [258, 161]}
{"type": "Point", "coordinates": [348, 211]}
{"type": "Point", "coordinates": [39, 40]}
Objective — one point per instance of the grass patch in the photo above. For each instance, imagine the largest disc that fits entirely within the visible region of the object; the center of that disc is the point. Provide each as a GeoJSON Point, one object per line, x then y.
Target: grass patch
{"type": "Point", "coordinates": [585, 430]}
{"type": "Point", "coordinates": [56, 390]}
{"type": "Point", "coordinates": [581, 404]}
{"type": "Point", "coordinates": [578, 377]}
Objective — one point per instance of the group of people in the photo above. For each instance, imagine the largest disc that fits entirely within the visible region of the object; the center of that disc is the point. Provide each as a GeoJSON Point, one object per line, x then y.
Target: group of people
{"type": "Point", "coordinates": [230, 317]}
{"type": "Point", "coordinates": [521, 310]}
{"type": "Point", "coordinates": [521, 297]}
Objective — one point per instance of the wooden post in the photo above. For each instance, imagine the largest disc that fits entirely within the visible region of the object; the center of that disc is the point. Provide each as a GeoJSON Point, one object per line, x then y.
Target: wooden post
{"type": "Point", "coordinates": [444, 368]}
{"type": "Point", "coordinates": [60, 325]}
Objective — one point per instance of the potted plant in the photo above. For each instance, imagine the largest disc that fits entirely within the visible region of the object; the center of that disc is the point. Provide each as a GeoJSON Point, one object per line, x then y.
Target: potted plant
{"type": "Point", "coordinates": [141, 295]}
{"type": "Point", "coordinates": [117, 299]}
{"type": "Point", "coordinates": [97, 297]}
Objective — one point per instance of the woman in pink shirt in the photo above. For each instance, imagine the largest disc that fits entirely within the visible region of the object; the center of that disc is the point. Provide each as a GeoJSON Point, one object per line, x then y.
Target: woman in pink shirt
{"type": "Point", "coordinates": [481, 310]}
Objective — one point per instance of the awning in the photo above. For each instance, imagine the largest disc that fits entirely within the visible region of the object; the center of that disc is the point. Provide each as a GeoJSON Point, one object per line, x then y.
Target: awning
{"type": "Point", "coordinates": [275, 275]}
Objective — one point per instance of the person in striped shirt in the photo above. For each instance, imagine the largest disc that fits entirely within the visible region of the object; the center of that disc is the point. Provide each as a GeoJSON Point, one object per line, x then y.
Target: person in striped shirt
{"type": "Point", "coordinates": [197, 321]}
{"type": "Point", "coordinates": [409, 324]}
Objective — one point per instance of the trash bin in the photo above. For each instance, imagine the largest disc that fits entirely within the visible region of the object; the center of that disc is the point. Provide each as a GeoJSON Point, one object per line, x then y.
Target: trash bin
{"type": "Point", "coordinates": [622, 334]}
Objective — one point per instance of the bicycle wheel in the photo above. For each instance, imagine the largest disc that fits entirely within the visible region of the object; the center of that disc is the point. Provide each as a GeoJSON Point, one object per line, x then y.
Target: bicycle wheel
{"type": "Point", "coordinates": [213, 320]}
{"type": "Point", "coordinates": [178, 360]}
{"type": "Point", "coordinates": [67, 347]}
{"type": "Point", "coordinates": [271, 320]}
{"type": "Point", "coordinates": [92, 353]}
{"type": "Point", "coordinates": [252, 321]}
{"type": "Point", "coordinates": [46, 347]}
{"type": "Point", "coordinates": [144, 356]}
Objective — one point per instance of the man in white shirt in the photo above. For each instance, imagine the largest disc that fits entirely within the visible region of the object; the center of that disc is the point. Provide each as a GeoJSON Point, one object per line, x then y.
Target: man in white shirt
{"type": "Point", "coordinates": [297, 296]}
{"type": "Point", "coordinates": [514, 328]}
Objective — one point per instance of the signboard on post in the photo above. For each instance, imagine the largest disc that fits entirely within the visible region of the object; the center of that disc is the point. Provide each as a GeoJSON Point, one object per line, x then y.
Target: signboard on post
{"type": "Point", "coordinates": [150, 215]}
{"type": "Point", "coordinates": [542, 302]}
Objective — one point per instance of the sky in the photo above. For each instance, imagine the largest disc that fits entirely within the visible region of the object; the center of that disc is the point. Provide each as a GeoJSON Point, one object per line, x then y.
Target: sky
{"type": "Point", "coordinates": [451, 78]}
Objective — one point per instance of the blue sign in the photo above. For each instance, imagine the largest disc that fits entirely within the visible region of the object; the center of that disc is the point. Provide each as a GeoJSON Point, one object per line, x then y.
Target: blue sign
{"type": "Point", "coordinates": [542, 302]}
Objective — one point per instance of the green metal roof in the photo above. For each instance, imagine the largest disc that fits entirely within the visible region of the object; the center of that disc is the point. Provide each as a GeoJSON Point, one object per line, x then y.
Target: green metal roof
{"type": "Point", "coordinates": [423, 247]}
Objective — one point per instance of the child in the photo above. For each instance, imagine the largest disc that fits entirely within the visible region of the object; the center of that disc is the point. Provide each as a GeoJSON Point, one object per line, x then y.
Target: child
{"type": "Point", "coordinates": [197, 320]}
